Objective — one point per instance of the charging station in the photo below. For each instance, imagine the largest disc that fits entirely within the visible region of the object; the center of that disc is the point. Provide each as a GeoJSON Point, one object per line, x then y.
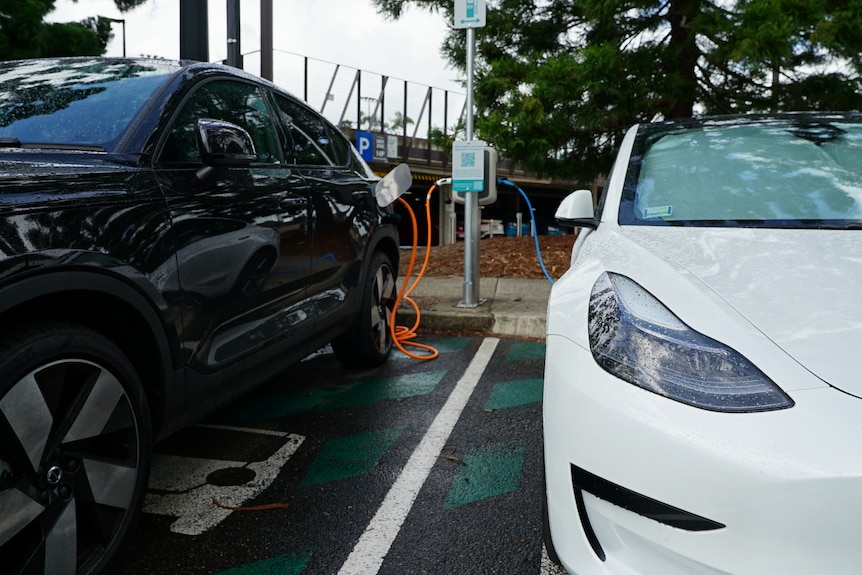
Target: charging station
{"type": "Point", "coordinates": [488, 195]}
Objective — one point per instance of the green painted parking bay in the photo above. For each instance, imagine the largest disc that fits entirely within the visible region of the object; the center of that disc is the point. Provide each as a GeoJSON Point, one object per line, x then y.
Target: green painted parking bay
{"type": "Point", "coordinates": [285, 564]}
{"type": "Point", "coordinates": [515, 393]}
{"type": "Point", "coordinates": [487, 472]}
{"type": "Point", "coordinates": [349, 394]}
{"type": "Point", "coordinates": [378, 479]}
{"type": "Point", "coordinates": [349, 456]}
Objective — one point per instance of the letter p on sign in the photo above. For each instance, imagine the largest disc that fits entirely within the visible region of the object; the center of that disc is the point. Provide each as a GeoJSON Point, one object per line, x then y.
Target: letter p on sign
{"type": "Point", "coordinates": [364, 142]}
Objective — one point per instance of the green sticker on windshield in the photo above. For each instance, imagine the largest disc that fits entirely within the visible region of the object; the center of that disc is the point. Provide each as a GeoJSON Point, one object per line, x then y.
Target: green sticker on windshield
{"type": "Point", "coordinates": [659, 212]}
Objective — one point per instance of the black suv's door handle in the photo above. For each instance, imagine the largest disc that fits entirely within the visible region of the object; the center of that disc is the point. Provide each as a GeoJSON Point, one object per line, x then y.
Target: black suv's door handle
{"type": "Point", "coordinates": [290, 203]}
{"type": "Point", "coordinates": [359, 196]}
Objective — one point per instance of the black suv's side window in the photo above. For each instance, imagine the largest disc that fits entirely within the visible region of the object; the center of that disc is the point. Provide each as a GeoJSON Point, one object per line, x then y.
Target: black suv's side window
{"type": "Point", "coordinates": [315, 141]}
{"type": "Point", "coordinates": [236, 102]}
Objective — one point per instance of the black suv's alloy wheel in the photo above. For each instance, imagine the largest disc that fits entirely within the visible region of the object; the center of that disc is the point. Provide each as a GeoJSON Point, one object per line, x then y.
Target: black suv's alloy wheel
{"type": "Point", "coordinates": [369, 343]}
{"type": "Point", "coordinates": [74, 449]}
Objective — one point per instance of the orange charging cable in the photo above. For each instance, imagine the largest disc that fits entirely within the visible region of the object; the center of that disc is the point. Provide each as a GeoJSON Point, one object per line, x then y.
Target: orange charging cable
{"type": "Point", "coordinates": [402, 335]}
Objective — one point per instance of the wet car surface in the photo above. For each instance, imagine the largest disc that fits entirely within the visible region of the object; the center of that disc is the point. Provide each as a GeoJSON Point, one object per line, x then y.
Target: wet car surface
{"type": "Point", "coordinates": [701, 399]}
{"type": "Point", "coordinates": [171, 236]}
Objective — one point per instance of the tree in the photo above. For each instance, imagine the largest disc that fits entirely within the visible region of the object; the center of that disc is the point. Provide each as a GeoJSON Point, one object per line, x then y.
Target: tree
{"type": "Point", "coordinates": [399, 122]}
{"type": "Point", "coordinates": [558, 81]}
{"type": "Point", "coordinates": [367, 122]}
{"type": "Point", "coordinates": [25, 34]}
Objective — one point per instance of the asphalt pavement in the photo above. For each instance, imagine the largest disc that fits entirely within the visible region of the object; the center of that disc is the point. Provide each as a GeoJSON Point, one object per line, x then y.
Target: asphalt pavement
{"type": "Point", "coordinates": [412, 467]}
{"type": "Point", "coordinates": [504, 306]}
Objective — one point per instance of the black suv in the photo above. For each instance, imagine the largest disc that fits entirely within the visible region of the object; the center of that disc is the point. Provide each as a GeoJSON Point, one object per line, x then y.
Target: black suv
{"type": "Point", "coordinates": [171, 234]}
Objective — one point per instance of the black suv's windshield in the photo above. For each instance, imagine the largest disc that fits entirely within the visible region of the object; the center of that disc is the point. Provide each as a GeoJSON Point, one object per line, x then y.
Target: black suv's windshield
{"type": "Point", "coordinates": [75, 103]}
{"type": "Point", "coordinates": [802, 172]}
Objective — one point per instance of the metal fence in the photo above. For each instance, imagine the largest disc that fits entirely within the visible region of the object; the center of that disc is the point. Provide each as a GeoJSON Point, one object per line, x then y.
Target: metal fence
{"type": "Point", "coordinates": [356, 99]}
{"type": "Point", "coordinates": [359, 100]}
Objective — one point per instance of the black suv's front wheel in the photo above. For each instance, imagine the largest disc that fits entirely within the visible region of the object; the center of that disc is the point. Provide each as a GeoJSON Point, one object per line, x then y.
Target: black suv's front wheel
{"type": "Point", "coordinates": [74, 449]}
{"type": "Point", "coordinates": [369, 341]}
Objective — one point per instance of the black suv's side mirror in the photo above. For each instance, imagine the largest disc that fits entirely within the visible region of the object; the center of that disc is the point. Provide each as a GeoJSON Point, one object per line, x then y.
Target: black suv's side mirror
{"type": "Point", "coordinates": [224, 144]}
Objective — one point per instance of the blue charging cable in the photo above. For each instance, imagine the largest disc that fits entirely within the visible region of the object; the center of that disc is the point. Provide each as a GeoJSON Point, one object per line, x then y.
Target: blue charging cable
{"type": "Point", "coordinates": [535, 227]}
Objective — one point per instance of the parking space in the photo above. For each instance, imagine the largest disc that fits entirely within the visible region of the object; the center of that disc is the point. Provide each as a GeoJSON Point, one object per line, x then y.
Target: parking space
{"type": "Point", "coordinates": [414, 467]}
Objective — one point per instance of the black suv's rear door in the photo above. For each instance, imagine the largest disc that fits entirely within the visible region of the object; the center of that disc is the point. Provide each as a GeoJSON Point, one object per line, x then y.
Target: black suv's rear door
{"type": "Point", "coordinates": [341, 215]}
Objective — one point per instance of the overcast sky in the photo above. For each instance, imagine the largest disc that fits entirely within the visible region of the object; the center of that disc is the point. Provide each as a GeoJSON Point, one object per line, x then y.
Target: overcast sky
{"type": "Point", "coordinates": [345, 32]}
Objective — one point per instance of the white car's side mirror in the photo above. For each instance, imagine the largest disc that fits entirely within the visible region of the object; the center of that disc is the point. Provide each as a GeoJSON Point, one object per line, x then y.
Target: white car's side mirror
{"type": "Point", "coordinates": [393, 185]}
{"type": "Point", "coordinates": [577, 211]}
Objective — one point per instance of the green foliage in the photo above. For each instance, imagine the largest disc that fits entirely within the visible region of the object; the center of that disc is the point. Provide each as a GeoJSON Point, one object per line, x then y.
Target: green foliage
{"type": "Point", "coordinates": [558, 81]}
{"type": "Point", "coordinates": [86, 38]}
{"type": "Point", "coordinates": [399, 122]}
{"type": "Point", "coordinates": [24, 34]}
{"type": "Point", "coordinates": [444, 140]}
{"type": "Point", "coordinates": [372, 122]}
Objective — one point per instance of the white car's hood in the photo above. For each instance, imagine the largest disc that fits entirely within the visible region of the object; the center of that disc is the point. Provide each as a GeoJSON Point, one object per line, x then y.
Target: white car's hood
{"type": "Point", "coordinates": [801, 288]}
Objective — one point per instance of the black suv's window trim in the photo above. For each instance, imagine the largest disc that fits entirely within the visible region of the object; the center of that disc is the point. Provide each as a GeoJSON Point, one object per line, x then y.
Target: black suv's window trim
{"type": "Point", "coordinates": [337, 155]}
{"type": "Point", "coordinates": [264, 92]}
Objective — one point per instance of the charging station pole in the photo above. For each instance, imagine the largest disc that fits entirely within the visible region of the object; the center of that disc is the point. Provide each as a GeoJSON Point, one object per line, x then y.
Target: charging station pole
{"type": "Point", "coordinates": [470, 14]}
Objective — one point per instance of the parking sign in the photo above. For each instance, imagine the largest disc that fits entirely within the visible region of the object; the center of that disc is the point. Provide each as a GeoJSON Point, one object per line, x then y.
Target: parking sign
{"type": "Point", "coordinates": [364, 144]}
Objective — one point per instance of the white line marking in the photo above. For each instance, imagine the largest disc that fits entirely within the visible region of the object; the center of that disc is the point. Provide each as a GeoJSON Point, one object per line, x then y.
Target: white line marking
{"type": "Point", "coordinates": [368, 554]}
{"type": "Point", "coordinates": [191, 501]}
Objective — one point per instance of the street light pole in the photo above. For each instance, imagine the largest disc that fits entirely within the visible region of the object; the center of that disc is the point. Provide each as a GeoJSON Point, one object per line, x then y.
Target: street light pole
{"type": "Point", "coordinates": [194, 30]}
{"type": "Point", "coordinates": [234, 54]}
{"type": "Point", "coordinates": [123, 22]}
{"type": "Point", "coordinates": [266, 39]}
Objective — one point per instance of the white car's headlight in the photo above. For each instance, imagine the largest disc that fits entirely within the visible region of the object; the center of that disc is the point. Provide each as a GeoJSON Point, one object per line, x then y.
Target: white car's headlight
{"type": "Point", "coordinates": [636, 338]}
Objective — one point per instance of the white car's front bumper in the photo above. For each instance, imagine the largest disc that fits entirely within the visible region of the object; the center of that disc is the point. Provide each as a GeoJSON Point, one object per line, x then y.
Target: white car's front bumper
{"type": "Point", "coordinates": [783, 488]}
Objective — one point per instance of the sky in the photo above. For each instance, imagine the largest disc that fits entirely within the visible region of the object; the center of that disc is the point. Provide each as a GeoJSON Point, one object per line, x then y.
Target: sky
{"type": "Point", "coordinates": [346, 33]}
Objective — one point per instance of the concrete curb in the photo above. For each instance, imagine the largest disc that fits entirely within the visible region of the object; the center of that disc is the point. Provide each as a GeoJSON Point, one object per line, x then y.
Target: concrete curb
{"type": "Point", "coordinates": [508, 306]}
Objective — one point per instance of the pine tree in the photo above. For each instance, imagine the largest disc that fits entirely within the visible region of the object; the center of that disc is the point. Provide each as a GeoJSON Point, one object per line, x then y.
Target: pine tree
{"type": "Point", "coordinates": [558, 81]}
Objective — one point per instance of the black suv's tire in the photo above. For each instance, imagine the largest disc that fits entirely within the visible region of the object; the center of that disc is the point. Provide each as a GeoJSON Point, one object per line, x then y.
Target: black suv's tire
{"type": "Point", "coordinates": [75, 449]}
{"type": "Point", "coordinates": [369, 341]}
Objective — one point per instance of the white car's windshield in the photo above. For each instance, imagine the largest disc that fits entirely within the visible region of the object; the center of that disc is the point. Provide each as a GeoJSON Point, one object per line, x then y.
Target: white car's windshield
{"type": "Point", "coordinates": [787, 173]}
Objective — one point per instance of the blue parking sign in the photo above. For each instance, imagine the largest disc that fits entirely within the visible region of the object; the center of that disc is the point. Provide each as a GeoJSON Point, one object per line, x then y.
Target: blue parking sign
{"type": "Point", "coordinates": [365, 145]}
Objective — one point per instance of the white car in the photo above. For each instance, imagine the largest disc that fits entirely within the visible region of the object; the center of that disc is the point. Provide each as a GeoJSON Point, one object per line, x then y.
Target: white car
{"type": "Point", "coordinates": [702, 410]}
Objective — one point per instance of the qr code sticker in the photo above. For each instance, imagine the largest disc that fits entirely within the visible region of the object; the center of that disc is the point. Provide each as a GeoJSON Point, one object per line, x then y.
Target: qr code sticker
{"type": "Point", "coordinates": [468, 159]}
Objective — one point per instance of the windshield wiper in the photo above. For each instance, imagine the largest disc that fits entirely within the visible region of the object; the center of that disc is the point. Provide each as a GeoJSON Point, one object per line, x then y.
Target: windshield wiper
{"type": "Point", "coordinates": [16, 143]}
{"type": "Point", "coordinates": [838, 226]}
{"type": "Point", "coordinates": [819, 133]}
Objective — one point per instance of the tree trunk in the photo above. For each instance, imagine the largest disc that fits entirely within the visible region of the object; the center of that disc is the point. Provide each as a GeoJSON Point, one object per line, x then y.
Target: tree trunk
{"type": "Point", "coordinates": [682, 58]}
